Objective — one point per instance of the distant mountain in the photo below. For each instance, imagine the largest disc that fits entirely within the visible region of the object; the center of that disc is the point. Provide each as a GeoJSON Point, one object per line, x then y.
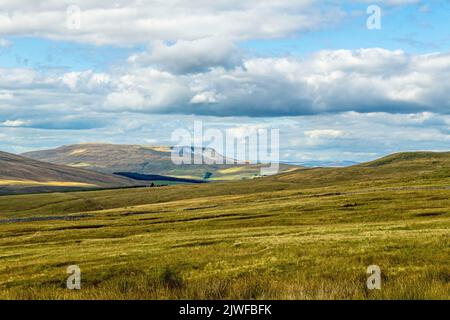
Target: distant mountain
{"type": "Point", "coordinates": [23, 175]}
{"type": "Point", "coordinates": [314, 163]}
{"type": "Point", "coordinates": [148, 160]}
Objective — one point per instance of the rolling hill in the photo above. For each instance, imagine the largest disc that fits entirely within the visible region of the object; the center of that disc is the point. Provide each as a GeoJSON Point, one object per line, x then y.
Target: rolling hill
{"type": "Point", "coordinates": [23, 175]}
{"type": "Point", "coordinates": [149, 160]}
{"type": "Point", "coordinates": [305, 234]}
{"type": "Point", "coordinates": [432, 171]}
{"type": "Point", "coordinates": [395, 168]}
{"type": "Point", "coordinates": [418, 158]}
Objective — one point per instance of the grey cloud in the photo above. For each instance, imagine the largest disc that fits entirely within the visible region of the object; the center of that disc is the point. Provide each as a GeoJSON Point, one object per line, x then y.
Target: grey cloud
{"type": "Point", "coordinates": [191, 56]}
{"type": "Point", "coordinates": [365, 81]}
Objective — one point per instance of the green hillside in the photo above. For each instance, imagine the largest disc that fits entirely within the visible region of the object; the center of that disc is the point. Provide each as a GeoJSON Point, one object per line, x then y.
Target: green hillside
{"type": "Point", "coordinates": [306, 234]}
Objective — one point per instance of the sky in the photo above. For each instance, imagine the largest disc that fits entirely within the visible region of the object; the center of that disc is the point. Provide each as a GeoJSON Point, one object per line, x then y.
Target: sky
{"type": "Point", "coordinates": [336, 81]}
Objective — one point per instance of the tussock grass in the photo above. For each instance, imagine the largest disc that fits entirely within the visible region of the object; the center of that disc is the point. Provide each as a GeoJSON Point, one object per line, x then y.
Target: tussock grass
{"type": "Point", "coordinates": [302, 235]}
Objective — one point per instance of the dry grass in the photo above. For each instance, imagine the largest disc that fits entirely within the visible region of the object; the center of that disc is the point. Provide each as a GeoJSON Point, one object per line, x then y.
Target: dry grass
{"type": "Point", "coordinates": [45, 183]}
{"type": "Point", "coordinates": [274, 238]}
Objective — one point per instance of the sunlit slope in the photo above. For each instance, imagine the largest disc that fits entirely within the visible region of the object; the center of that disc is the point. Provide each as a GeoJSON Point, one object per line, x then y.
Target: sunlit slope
{"type": "Point", "coordinates": [20, 174]}
{"type": "Point", "coordinates": [397, 169]}
{"type": "Point", "coordinates": [111, 158]}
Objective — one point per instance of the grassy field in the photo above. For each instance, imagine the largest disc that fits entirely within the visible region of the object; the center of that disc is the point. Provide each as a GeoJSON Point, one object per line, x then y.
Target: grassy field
{"type": "Point", "coordinates": [307, 234]}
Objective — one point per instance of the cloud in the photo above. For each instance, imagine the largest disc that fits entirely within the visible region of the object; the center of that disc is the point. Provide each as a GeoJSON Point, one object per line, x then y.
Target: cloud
{"type": "Point", "coordinates": [131, 22]}
{"type": "Point", "coordinates": [365, 80]}
{"type": "Point", "coordinates": [18, 77]}
{"type": "Point", "coordinates": [190, 56]}
{"type": "Point", "coordinates": [205, 97]}
{"type": "Point", "coordinates": [367, 135]}
{"type": "Point", "coordinates": [320, 137]}
{"type": "Point", "coordinates": [85, 80]}
{"type": "Point", "coordinates": [129, 99]}
{"type": "Point", "coordinates": [48, 100]}
{"type": "Point", "coordinates": [147, 90]}
{"type": "Point", "coordinates": [61, 122]}
{"type": "Point", "coordinates": [390, 2]}
{"type": "Point", "coordinates": [324, 133]}
{"type": "Point", "coordinates": [4, 43]}
{"type": "Point", "coordinates": [13, 123]}
{"type": "Point", "coordinates": [6, 96]}
{"type": "Point", "coordinates": [327, 82]}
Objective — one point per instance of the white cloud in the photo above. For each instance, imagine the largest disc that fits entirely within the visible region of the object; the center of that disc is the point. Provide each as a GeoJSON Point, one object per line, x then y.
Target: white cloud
{"type": "Point", "coordinates": [190, 56]}
{"type": "Point", "coordinates": [6, 96]}
{"type": "Point", "coordinates": [4, 43]}
{"type": "Point", "coordinates": [366, 80]}
{"type": "Point", "coordinates": [85, 80]}
{"type": "Point", "coordinates": [205, 97]}
{"type": "Point", "coordinates": [324, 133]}
{"type": "Point", "coordinates": [151, 91]}
{"type": "Point", "coordinates": [13, 123]}
{"type": "Point", "coordinates": [18, 77]}
{"type": "Point", "coordinates": [129, 22]}
{"type": "Point", "coordinates": [243, 131]}
{"type": "Point", "coordinates": [125, 99]}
